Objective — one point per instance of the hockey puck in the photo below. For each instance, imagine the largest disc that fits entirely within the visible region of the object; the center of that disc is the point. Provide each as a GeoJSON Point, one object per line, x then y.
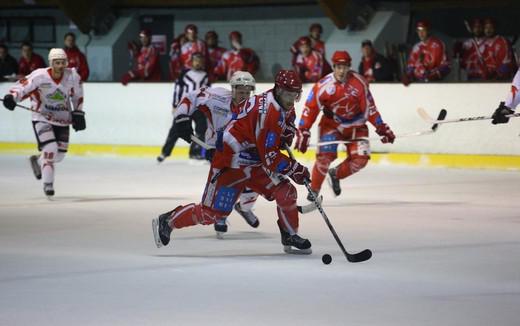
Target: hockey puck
{"type": "Point", "coordinates": [326, 259]}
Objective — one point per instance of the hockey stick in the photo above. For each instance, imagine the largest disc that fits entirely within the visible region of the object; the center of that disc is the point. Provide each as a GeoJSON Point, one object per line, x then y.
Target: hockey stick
{"type": "Point", "coordinates": [302, 209]}
{"type": "Point", "coordinates": [426, 117]}
{"type": "Point", "coordinates": [434, 127]}
{"type": "Point", "coordinates": [353, 258]}
{"type": "Point", "coordinates": [23, 107]}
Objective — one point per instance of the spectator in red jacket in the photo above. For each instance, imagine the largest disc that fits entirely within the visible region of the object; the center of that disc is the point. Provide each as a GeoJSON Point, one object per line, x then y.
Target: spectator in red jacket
{"type": "Point", "coordinates": [472, 53]}
{"type": "Point", "coordinates": [180, 55]}
{"type": "Point", "coordinates": [29, 61]}
{"type": "Point", "coordinates": [315, 31]}
{"type": "Point", "coordinates": [215, 52]}
{"type": "Point", "coordinates": [147, 65]}
{"type": "Point", "coordinates": [237, 59]}
{"type": "Point", "coordinates": [428, 60]}
{"type": "Point", "coordinates": [310, 64]}
{"type": "Point", "coordinates": [75, 57]}
{"type": "Point", "coordinates": [374, 66]}
{"type": "Point", "coordinates": [498, 53]}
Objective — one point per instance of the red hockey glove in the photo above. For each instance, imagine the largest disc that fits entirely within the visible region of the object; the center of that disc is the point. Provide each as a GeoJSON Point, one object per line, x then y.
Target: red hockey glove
{"type": "Point", "coordinates": [303, 137]}
{"type": "Point", "coordinates": [127, 78]}
{"type": "Point", "coordinates": [298, 173]}
{"type": "Point", "coordinates": [287, 135]}
{"type": "Point", "coordinates": [387, 135]}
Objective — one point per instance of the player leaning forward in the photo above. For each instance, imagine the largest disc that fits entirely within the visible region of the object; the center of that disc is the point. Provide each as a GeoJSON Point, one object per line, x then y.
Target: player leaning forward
{"type": "Point", "coordinates": [250, 157]}
{"type": "Point", "coordinates": [57, 98]}
{"type": "Point", "coordinates": [218, 105]}
{"type": "Point", "coordinates": [347, 104]}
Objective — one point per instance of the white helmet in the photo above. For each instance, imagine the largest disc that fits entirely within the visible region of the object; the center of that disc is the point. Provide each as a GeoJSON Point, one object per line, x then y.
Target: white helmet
{"type": "Point", "coordinates": [242, 78]}
{"type": "Point", "coordinates": [56, 54]}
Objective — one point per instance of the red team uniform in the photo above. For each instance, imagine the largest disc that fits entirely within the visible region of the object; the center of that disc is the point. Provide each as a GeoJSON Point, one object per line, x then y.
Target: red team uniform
{"type": "Point", "coordinates": [181, 53]}
{"type": "Point", "coordinates": [498, 57]}
{"type": "Point", "coordinates": [428, 60]}
{"type": "Point", "coordinates": [346, 107]}
{"type": "Point", "coordinates": [243, 59]}
{"type": "Point", "coordinates": [250, 157]}
{"type": "Point", "coordinates": [25, 67]}
{"type": "Point", "coordinates": [473, 58]}
{"type": "Point", "coordinates": [77, 60]}
{"type": "Point", "coordinates": [310, 67]}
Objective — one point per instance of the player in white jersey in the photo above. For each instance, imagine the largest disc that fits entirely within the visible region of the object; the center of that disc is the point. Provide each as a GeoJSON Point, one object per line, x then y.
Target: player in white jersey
{"type": "Point", "coordinates": [509, 106]}
{"type": "Point", "coordinates": [56, 94]}
{"type": "Point", "coordinates": [220, 106]}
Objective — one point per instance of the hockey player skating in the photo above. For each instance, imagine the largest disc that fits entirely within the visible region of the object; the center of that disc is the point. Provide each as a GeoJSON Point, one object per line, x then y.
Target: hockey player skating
{"type": "Point", "coordinates": [508, 107]}
{"type": "Point", "coordinates": [345, 100]}
{"type": "Point", "coordinates": [218, 105]}
{"type": "Point", "coordinates": [250, 157]}
{"type": "Point", "coordinates": [57, 101]}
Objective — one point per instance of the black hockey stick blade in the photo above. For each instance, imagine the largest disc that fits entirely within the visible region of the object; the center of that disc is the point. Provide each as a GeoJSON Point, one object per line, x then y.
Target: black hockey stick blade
{"type": "Point", "coordinates": [441, 116]}
{"type": "Point", "coordinates": [360, 256]}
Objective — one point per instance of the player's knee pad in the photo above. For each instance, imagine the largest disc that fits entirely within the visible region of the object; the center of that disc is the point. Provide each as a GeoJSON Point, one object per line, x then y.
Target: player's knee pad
{"type": "Point", "coordinates": [323, 161]}
{"type": "Point", "coordinates": [50, 152]}
{"type": "Point", "coordinates": [285, 195]}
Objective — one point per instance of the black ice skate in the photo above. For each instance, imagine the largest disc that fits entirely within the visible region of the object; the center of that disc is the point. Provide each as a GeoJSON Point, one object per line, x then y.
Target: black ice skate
{"type": "Point", "coordinates": [220, 228]}
{"type": "Point", "coordinates": [48, 189]}
{"type": "Point", "coordinates": [161, 229]}
{"type": "Point", "coordinates": [249, 216]}
{"type": "Point", "coordinates": [334, 181]}
{"type": "Point", "coordinates": [160, 158]}
{"type": "Point", "coordinates": [303, 246]}
{"type": "Point", "coordinates": [35, 166]}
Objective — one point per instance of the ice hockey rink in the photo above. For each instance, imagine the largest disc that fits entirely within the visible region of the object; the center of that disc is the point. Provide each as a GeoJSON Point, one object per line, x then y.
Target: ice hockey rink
{"type": "Point", "coordinates": [446, 246]}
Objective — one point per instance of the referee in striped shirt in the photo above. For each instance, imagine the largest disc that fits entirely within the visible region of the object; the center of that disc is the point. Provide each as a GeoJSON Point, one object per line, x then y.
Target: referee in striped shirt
{"type": "Point", "coordinates": [189, 80]}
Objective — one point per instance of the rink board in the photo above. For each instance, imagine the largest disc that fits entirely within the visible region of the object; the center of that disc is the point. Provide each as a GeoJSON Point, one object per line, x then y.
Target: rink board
{"type": "Point", "coordinates": [134, 121]}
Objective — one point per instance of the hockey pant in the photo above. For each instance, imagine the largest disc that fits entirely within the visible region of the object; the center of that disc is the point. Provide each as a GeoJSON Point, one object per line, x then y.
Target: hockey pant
{"type": "Point", "coordinates": [223, 188]}
{"type": "Point", "coordinates": [53, 142]}
{"type": "Point", "coordinates": [358, 153]}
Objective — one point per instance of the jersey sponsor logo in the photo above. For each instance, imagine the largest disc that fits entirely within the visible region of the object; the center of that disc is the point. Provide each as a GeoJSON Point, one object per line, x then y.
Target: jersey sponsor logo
{"type": "Point", "coordinates": [45, 85]}
{"type": "Point", "coordinates": [58, 95]}
{"type": "Point", "coordinates": [56, 108]}
{"type": "Point", "coordinates": [310, 97]}
{"type": "Point", "coordinates": [270, 139]}
{"type": "Point", "coordinates": [221, 111]}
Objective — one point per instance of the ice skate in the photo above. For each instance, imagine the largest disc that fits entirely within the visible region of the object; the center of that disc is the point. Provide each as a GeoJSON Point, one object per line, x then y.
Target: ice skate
{"type": "Point", "coordinates": [334, 181]}
{"type": "Point", "coordinates": [220, 228]}
{"type": "Point", "coordinates": [48, 189]}
{"type": "Point", "coordinates": [294, 244]}
{"type": "Point", "coordinates": [35, 166]}
{"type": "Point", "coordinates": [161, 229]}
{"type": "Point", "coordinates": [160, 158]}
{"type": "Point", "coordinates": [309, 196]}
{"type": "Point", "coordinates": [249, 216]}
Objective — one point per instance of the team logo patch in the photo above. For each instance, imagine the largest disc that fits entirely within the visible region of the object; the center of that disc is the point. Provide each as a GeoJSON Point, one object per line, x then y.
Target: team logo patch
{"type": "Point", "coordinates": [58, 95]}
{"type": "Point", "coordinates": [331, 89]}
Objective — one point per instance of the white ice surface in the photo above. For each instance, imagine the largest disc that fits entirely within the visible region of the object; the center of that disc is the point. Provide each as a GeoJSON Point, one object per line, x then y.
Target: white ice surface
{"type": "Point", "coordinates": [446, 249]}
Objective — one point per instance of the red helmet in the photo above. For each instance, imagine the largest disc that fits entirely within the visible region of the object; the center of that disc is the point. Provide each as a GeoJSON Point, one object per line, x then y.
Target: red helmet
{"type": "Point", "coordinates": [316, 25]}
{"type": "Point", "coordinates": [288, 80]}
{"type": "Point", "coordinates": [235, 35]}
{"type": "Point", "coordinates": [304, 40]}
{"type": "Point", "coordinates": [191, 27]}
{"type": "Point", "coordinates": [341, 57]}
{"type": "Point", "coordinates": [423, 24]}
{"type": "Point", "coordinates": [211, 34]}
{"type": "Point", "coordinates": [490, 21]}
{"type": "Point", "coordinates": [145, 32]}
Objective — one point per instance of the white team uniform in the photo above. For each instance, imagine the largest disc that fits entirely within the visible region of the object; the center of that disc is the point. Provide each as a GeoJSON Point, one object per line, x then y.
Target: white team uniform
{"type": "Point", "coordinates": [217, 105]}
{"type": "Point", "coordinates": [513, 98]}
{"type": "Point", "coordinates": [50, 99]}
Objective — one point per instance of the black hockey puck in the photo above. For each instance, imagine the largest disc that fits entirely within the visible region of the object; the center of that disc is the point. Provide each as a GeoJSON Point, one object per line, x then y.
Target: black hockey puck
{"type": "Point", "coordinates": [326, 259]}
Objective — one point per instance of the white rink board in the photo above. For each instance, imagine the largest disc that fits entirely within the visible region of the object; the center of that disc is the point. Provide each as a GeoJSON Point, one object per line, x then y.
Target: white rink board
{"type": "Point", "coordinates": [140, 114]}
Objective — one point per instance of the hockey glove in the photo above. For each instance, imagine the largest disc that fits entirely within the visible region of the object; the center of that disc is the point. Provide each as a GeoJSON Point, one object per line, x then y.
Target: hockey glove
{"type": "Point", "coordinates": [303, 136]}
{"type": "Point", "coordinates": [287, 135]}
{"type": "Point", "coordinates": [183, 127]}
{"type": "Point", "coordinates": [298, 173]}
{"type": "Point", "coordinates": [9, 102]}
{"type": "Point", "coordinates": [498, 117]}
{"type": "Point", "coordinates": [78, 120]}
{"type": "Point", "coordinates": [387, 135]}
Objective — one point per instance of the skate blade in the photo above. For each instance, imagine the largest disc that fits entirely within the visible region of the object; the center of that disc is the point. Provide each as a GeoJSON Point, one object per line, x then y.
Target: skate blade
{"type": "Point", "coordinates": [329, 181]}
{"type": "Point", "coordinates": [294, 251]}
{"type": "Point", "coordinates": [220, 235]}
{"type": "Point", "coordinates": [155, 229]}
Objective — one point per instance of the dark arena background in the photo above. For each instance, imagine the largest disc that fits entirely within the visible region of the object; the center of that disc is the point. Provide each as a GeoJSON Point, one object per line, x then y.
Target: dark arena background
{"type": "Point", "coordinates": [410, 141]}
